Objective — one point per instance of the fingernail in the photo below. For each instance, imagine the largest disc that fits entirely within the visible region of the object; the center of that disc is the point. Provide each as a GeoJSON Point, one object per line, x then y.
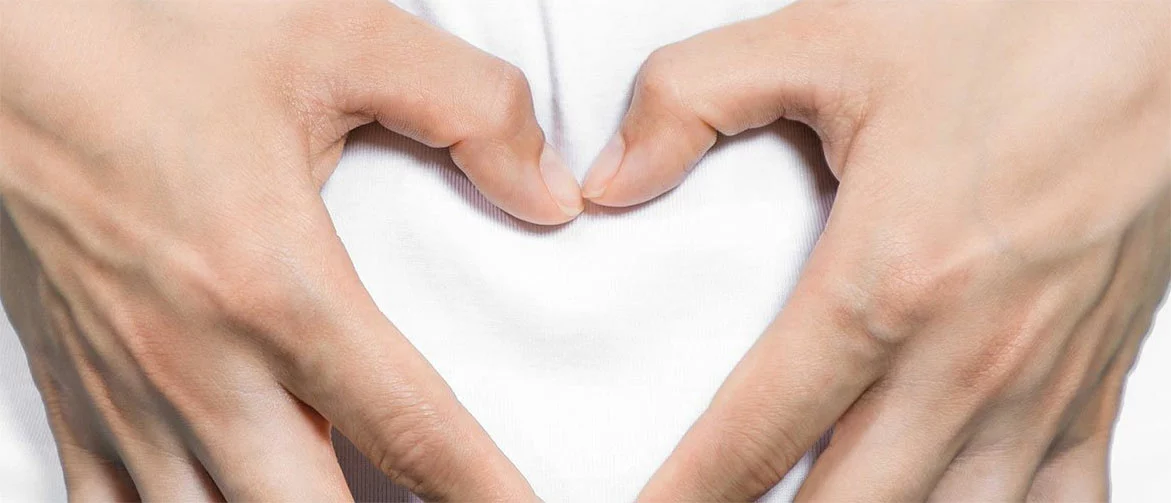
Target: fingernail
{"type": "Point", "coordinates": [561, 183]}
{"type": "Point", "coordinates": [598, 179]}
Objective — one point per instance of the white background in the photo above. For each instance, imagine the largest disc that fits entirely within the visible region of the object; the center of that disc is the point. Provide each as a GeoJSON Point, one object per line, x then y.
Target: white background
{"type": "Point", "coordinates": [1141, 461]}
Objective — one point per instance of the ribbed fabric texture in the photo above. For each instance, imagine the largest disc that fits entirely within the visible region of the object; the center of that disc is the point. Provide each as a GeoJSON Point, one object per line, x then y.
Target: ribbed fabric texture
{"type": "Point", "coordinates": [585, 350]}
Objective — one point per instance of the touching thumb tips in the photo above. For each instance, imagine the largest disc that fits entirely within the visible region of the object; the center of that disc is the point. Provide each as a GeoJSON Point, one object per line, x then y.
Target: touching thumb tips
{"type": "Point", "coordinates": [605, 166]}
{"type": "Point", "coordinates": [561, 182]}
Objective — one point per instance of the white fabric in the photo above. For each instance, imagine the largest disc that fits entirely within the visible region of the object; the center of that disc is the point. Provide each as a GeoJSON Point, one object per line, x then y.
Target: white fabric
{"type": "Point", "coordinates": [585, 350]}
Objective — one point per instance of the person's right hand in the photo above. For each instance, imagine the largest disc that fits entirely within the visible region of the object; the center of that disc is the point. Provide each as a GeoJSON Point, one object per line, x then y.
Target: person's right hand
{"type": "Point", "coordinates": [191, 319]}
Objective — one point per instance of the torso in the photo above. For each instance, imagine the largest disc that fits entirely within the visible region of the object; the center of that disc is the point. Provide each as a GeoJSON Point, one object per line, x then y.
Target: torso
{"type": "Point", "coordinates": [585, 350]}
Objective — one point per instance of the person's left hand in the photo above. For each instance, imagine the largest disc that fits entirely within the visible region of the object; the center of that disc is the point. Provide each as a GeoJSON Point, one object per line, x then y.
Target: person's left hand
{"type": "Point", "coordinates": [998, 246]}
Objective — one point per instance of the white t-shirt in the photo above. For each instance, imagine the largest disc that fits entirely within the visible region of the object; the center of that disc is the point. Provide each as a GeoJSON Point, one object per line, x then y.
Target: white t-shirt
{"type": "Point", "coordinates": [584, 350]}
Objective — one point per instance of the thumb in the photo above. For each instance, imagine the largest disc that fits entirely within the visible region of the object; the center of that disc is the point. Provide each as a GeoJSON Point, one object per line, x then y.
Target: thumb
{"type": "Point", "coordinates": [431, 86]}
{"type": "Point", "coordinates": [725, 81]}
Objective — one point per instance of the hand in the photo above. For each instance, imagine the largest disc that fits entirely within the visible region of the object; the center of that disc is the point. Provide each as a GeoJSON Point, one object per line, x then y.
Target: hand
{"type": "Point", "coordinates": [998, 245]}
{"type": "Point", "coordinates": [190, 316]}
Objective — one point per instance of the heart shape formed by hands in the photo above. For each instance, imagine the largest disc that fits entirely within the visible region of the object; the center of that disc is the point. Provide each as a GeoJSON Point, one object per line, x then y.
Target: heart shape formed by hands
{"type": "Point", "coordinates": [615, 329]}
{"type": "Point", "coordinates": [977, 295]}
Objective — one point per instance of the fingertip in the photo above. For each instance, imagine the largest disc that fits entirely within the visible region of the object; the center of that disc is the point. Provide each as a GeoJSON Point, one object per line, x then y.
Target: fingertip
{"type": "Point", "coordinates": [530, 183]}
{"type": "Point", "coordinates": [604, 169]}
{"type": "Point", "coordinates": [561, 183]}
{"type": "Point", "coordinates": [652, 154]}
{"type": "Point", "coordinates": [644, 172]}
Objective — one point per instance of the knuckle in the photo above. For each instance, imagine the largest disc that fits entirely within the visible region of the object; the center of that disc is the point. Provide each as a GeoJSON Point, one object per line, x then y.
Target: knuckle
{"type": "Point", "coordinates": [1003, 365]}
{"type": "Point", "coordinates": [231, 286]}
{"type": "Point", "coordinates": [882, 319]}
{"type": "Point", "coordinates": [895, 311]}
{"type": "Point", "coordinates": [659, 80]}
{"type": "Point", "coordinates": [189, 272]}
{"type": "Point", "coordinates": [757, 453]}
{"type": "Point", "coordinates": [666, 96]}
{"type": "Point", "coordinates": [998, 368]}
{"type": "Point", "coordinates": [899, 295]}
{"type": "Point", "coordinates": [506, 105]}
{"type": "Point", "coordinates": [411, 449]}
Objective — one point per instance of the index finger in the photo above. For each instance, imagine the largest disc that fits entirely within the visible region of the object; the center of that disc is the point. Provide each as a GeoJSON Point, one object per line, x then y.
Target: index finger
{"type": "Point", "coordinates": [810, 365]}
{"type": "Point", "coordinates": [329, 345]}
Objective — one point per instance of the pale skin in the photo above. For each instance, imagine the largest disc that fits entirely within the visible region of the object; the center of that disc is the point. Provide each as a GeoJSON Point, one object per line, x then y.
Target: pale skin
{"type": "Point", "coordinates": [998, 246]}
{"type": "Point", "coordinates": [191, 318]}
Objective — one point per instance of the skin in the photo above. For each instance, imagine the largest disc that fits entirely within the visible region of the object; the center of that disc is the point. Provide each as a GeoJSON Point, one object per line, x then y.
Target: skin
{"type": "Point", "coordinates": [999, 242]}
{"type": "Point", "coordinates": [190, 317]}
{"type": "Point", "coordinates": [998, 245]}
